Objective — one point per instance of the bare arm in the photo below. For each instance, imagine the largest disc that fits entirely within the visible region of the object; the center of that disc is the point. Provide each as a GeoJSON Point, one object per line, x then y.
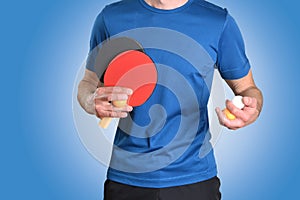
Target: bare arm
{"type": "Point", "coordinates": [252, 98]}
{"type": "Point", "coordinates": [86, 90]}
{"type": "Point", "coordinates": [247, 88]}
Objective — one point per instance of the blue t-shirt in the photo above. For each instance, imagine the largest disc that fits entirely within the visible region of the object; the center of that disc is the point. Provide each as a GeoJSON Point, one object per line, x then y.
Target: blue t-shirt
{"type": "Point", "coordinates": [165, 141]}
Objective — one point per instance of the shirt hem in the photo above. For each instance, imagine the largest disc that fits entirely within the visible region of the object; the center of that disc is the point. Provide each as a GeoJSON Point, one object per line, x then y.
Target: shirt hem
{"type": "Point", "coordinates": [162, 183]}
{"type": "Point", "coordinates": [236, 74]}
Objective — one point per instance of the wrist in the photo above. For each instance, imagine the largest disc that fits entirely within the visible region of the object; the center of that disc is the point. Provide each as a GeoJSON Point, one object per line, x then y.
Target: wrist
{"type": "Point", "coordinates": [90, 104]}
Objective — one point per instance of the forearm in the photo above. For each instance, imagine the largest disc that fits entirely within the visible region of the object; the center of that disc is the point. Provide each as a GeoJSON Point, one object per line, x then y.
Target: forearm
{"type": "Point", "coordinates": [86, 90]}
{"type": "Point", "coordinates": [246, 87]}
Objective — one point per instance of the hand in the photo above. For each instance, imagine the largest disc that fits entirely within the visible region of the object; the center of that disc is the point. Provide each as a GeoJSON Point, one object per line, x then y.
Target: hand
{"type": "Point", "coordinates": [243, 117]}
{"type": "Point", "coordinates": [103, 98]}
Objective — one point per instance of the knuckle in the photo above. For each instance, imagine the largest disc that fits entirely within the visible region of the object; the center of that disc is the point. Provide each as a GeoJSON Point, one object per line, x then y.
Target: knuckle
{"type": "Point", "coordinates": [106, 114]}
{"type": "Point", "coordinates": [123, 114]}
{"type": "Point", "coordinates": [109, 114]}
{"type": "Point", "coordinates": [113, 114]}
{"type": "Point", "coordinates": [100, 90]}
{"type": "Point", "coordinates": [109, 96]}
{"type": "Point", "coordinates": [100, 114]}
{"type": "Point", "coordinates": [246, 117]}
{"type": "Point", "coordinates": [129, 108]}
{"type": "Point", "coordinates": [98, 107]}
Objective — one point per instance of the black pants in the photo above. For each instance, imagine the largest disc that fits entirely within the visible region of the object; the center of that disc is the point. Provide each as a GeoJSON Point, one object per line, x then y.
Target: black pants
{"type": "Point", "coordinates": [206, 190]}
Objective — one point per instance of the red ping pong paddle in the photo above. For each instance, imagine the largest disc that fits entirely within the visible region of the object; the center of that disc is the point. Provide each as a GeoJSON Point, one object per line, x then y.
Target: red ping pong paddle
{"type": "Point", "coordinates": [131, 69]}
{"type": "Point", "coordinates": [109, 49]}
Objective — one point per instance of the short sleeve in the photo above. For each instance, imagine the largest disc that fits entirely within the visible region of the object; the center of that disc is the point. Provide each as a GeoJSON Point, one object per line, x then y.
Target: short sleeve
{"type": "Point", "coordinates": [232, 61]}
{"type": "Point", "coordinates": [99, 34]}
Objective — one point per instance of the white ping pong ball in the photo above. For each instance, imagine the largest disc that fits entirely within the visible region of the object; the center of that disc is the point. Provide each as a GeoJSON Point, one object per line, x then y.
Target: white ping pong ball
{"type": "Point", "coordinates": [238, 102]}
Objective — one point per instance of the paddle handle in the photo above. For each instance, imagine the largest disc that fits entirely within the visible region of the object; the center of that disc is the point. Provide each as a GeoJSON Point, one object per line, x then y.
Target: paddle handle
{"type": "Point", "coordinates": [104, 123]}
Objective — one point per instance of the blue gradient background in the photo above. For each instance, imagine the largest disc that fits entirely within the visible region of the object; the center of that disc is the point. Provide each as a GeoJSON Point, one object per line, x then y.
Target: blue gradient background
{"type": "Point", "coordinates": [45, 42]}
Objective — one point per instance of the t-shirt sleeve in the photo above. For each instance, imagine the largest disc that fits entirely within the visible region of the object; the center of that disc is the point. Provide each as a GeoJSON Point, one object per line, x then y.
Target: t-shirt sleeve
{"type": "Point", "coordinates": [232, 61]}
{"type": "Point", "coordinates": [99, 34]}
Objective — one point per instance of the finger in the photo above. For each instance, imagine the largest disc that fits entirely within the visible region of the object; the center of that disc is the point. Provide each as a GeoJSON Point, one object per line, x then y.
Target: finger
{"type": "Point", "coordinates": [230, 124]}
{"type": "Point", "coordinates": [222, 118]}
{"type": "Point", "coordinates": [112, 93]}
{"type": "Point", "coordinates": [247, 113]}
{"type": "Point", "coordinates": [244, 114]}
{"type": "Point", "coordinates": [117, 97]}
{"type": "Point", "coordinates": [243, 117]}
{"type": "Point", "coordinates": [234, 124]}
{"type": "Point", "coordinates": [250, 102]}
{"type": "Point", "coordinates": [109, 111]}
{"type": "Point", "coordinates": [112, 97]}
{"type": "Point", "coordinates": [113, 114]}
{"type": "Point", "coordinates": [233, 109]}
{"type": "Point", "coordinates": [118, 114]}
{"type": "Point", "coordinates": [123, 90]}
{"type": "Point", "coordinates": [107, 106]}
{"type": "Point", "coordinates": [122, 109]}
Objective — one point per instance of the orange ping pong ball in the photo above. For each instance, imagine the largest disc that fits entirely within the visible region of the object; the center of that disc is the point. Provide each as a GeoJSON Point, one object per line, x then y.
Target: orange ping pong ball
{"type": "Point", "coordinates": [228, 114]}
